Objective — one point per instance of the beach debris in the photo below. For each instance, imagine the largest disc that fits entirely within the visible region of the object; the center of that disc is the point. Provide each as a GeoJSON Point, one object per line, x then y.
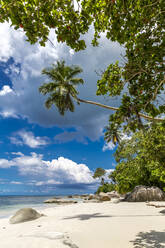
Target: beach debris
{"type": "Point", "coordinates": [144, 193]}
{"type": "Point", "coordinates": [25, 214]}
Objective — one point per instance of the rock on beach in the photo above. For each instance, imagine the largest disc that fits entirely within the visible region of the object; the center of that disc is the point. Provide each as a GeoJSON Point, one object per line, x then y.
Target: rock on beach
{"type": "Point", "coordinates": [24, 214]}
{"type": "Point", "coordinates": [144, 193]}
{"type": "Point", "coordinates": [104, 196]}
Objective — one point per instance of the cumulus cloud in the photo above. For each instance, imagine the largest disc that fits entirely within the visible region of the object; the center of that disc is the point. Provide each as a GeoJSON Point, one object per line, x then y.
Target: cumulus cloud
{"type": "Point", "coordinates": [106, 176]}
{"type": "Point", "coordinates": [5, 90]}
{"type": "Point", "coordinates": [13, 69]}
{"type": "Point", "coordinates": [8, 114]}
{"type": "Point", "coordinates": [87, 119]}
{"type": "Point", "coordinates": [27, 138]}
{"type": "Point", "coordinates": [75, 173]}
{"type": "Point", "coordinates": [47, 182]}
{"type": "Point", "coordinates": [4, 163]}
{"type": "Point", "coordinates": [17, 153]}
{"type": "Point", "coordinates": [56, 171]}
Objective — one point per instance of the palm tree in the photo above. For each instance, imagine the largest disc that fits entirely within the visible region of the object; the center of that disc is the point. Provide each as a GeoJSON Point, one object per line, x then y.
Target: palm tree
{"type": "Point", "coordinates": [100, 172]}
{"type": "Point", "coordinates": [113, 135]}
{"type": "Point", "coordinates": [62, 90]}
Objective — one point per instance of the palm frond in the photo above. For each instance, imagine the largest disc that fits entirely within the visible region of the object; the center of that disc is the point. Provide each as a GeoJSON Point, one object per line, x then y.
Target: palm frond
{"type": "Point", "coordinates": [48, 88]}
{"type": "Point", "coordinates": [73, 71]}
{"type": "Point", "coordinates": [53, 73]}
{"type": "Point", "coordinates": [49, 102]}
{"type": "Point", "coordinates": [77, 81]}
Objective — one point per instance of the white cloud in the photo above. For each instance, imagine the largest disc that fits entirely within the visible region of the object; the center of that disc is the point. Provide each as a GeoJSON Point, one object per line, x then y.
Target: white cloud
{"type": "Point", "coordinates": [13, 69]}
{"type": "Point", "coordinates": [27, 138]}
{"type": "Point", "coordinates": [108, 146]}
{"type": "Point", "coordinates": [108, 172]}
{"type": "Point", "coordinates": [17, 153]}
{"type": "Point", "coordinates": [15, 182]}
{"type": "Point", "coordinates": [51, 181]}
{"type": "Point", "coordinates": [87, 119]}
{"type": "Point", "coordinates": [4, 163]}
{"type": "Point", "coordinates": [16, 141]}
{"type": "Point", "coordinates": [8, 114]}
{"type": "Point", "coordinates": [75, 173]}
{"type": "Point", "coordinates": [5, 41]}
{"type": "Point", "coordinates": [5, 90]}
{"type": "Point", "coordinates": [56, 171]}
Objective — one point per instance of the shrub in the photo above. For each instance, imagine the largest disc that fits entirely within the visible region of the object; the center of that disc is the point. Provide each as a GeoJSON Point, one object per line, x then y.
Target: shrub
{"type": "Point", "coordinates": [107, 187]}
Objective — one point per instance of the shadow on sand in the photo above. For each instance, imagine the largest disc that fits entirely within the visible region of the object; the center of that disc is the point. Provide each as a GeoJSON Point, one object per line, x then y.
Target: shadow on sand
{"type": "Point", "coordinates": [99, 215]}
{"type": "Point", "coordinates": [152, 239]}
{"type": "Point", "coordinates": [87, 216]}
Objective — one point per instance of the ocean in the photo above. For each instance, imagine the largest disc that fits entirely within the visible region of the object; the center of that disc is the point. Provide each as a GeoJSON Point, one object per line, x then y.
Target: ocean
{"type": "Point", "coordinates": [10, 204]}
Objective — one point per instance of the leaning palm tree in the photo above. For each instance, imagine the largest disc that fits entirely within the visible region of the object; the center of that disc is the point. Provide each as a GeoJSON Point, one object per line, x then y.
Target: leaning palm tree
{"type": "Point", "coordinates": [62, 91]}
{"type": "Point", "coordinates": [100, 173]}
{"type": "Point", "coordinates": [61, 88]}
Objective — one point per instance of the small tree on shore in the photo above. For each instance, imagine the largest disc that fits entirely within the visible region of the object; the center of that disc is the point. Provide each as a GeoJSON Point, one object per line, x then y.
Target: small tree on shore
{"type": "Point", "coordinates": [99, 173]}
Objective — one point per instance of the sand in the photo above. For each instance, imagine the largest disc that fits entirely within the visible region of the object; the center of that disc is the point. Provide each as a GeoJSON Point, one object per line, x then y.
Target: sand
{"type": "Point", "coordinates": [89, 225]}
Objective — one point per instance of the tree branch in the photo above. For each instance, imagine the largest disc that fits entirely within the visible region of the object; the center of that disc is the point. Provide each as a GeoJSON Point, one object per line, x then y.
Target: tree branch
{"type": "Point", "coordinates": [155, 93]}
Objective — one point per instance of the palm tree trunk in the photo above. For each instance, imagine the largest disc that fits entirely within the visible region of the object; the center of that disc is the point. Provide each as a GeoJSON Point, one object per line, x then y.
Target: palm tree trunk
{"type": "Point", "coordinates": [149, 118]}
{"type": "Point", "coordinates": [98, 104]}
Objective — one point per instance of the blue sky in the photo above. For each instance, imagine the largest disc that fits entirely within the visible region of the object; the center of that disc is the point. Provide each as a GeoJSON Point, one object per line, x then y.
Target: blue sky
{"type": "Point", "coordinates": [42, 152]}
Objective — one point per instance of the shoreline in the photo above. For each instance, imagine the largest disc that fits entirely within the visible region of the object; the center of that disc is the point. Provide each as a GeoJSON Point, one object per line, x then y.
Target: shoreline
{"type": "Point", "coordinates": [125, 225]}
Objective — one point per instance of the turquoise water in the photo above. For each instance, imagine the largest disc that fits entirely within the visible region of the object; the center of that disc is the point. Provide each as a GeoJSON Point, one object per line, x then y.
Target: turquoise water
{"type": "Point", "coordinates": [10, 204]}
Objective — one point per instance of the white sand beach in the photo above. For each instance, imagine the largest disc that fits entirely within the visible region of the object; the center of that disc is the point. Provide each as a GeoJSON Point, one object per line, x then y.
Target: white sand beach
{"type": "Point", "coordinates": [89, 225]}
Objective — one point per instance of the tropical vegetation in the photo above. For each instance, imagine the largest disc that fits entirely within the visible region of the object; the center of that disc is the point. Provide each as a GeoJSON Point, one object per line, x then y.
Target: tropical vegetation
{"type": "Point", "coordinates": [136, 25]}
{"type": "Point", "coordinates": [99, 173]}
{"type": "Point", "coordinates": [106, 187]}
{"type": "Point", "coordinates": [138, 79]}
{"type": "Point", "coordinates": [141, 160]}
